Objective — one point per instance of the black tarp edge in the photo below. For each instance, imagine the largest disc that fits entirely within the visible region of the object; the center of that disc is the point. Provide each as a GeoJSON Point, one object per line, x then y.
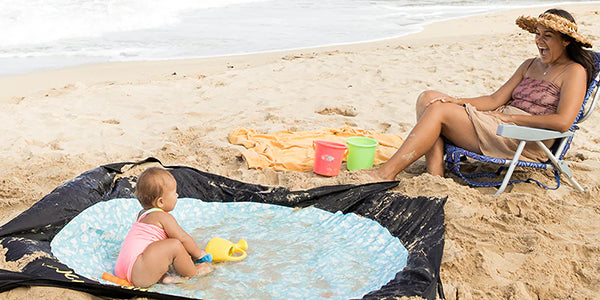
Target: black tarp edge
{"type": "Point", "coordinates": [417, 221]}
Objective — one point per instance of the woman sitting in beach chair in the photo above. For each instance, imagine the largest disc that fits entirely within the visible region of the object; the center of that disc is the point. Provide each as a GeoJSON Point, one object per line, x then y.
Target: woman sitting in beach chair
{"type": "Point", "coordinates": [544, 92]}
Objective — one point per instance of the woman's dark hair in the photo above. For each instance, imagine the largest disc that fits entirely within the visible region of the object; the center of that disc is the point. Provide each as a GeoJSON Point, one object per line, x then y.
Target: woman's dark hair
{"type": "Point", "coordinates": [575, 49]}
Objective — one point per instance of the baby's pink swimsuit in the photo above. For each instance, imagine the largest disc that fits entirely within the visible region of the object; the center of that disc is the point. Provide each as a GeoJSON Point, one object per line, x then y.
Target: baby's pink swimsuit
{"type": "Point", "coordinates": [138, 238]}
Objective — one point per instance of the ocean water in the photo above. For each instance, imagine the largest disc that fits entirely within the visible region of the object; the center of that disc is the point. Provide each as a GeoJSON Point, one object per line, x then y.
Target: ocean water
{"type": "Point", "coordinates": [44, 34]}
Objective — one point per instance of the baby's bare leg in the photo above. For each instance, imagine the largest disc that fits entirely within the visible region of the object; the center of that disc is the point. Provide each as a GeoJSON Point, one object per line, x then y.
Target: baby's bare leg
{"type": "Point", "coordinates": [204, 268]}
{"type": "Point", "coordinates": [151, 265]}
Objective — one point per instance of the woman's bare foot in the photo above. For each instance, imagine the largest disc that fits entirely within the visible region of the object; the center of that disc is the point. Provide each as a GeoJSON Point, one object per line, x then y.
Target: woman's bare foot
{"type": "Point", "coordinates": [373, 176]}
{"type": "Point", "coordinates": [204, 269]}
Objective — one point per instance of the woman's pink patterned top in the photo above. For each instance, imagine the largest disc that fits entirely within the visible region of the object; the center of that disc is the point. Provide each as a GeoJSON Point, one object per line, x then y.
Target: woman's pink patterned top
{"type": "Point", "coordinates": [535, 96]}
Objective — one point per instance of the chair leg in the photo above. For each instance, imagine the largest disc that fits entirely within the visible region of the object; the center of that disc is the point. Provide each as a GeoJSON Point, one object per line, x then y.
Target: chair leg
{"type": "Point", "coordinates": [561, 165]}
{"type": "Point", "coordinates": [511, 168]}
{"type": "Point", "coordinates": [564, 168]}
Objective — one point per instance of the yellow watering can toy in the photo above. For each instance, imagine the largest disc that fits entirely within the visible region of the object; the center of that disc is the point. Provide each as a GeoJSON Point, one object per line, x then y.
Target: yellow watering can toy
{"type": "Point", "coordinates": [224, 250]}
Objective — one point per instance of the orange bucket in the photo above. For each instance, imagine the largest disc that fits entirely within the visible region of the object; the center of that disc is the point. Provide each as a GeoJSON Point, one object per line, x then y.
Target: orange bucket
{"type": "Point", "coordinates": [328, 157]}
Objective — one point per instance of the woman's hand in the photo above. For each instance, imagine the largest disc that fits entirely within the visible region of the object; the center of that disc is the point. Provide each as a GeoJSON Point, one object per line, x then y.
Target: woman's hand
{"type": "Point", "coordinates": [445, 99]}
{"type": "Point", "coordinates": [504, 117]}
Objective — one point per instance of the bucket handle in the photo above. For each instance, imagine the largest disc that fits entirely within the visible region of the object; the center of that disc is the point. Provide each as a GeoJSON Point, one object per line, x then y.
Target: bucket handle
{"type": "Point", "coordinates": [240, 257]}
{"type": "Point", "coordinates": [314, 145]}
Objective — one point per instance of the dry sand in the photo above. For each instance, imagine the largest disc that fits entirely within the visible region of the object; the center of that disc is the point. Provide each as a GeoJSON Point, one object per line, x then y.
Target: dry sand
{"type": "Point", "coordinates": [528, 243]}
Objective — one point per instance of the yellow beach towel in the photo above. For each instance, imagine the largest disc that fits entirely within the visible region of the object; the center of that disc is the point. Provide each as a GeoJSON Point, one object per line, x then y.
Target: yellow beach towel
{"type": "Point", "coordinates": [286, 150]}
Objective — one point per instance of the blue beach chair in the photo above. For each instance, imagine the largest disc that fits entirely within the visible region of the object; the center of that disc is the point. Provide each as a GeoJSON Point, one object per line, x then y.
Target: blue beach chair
{"type": "Point", "coordinates": [455, 155]}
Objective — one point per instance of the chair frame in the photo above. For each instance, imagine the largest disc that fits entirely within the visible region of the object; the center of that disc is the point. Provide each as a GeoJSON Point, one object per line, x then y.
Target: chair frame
{"type": "Point", "coordinates": [454, 155]}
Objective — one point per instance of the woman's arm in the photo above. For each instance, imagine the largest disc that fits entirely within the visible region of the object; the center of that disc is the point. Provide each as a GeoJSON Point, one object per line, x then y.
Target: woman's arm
{"type": "Point", "coordinates": [499, 97]}
{"type": "Point", "coordinates": [572, 93]}
{"type": "Point", "coordinates": [503, 94]}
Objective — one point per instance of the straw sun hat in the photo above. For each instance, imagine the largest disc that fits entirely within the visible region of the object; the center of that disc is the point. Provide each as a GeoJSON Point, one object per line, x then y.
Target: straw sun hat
{"type": "Point", "coordinates": [554, 22]}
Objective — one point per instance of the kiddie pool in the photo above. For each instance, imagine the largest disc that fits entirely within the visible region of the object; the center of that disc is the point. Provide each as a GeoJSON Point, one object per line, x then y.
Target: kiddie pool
{"type": "Point", "coordinates": [293, 253]}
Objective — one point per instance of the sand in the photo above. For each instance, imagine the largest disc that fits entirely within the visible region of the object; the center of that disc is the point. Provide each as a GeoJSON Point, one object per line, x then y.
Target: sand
{"type": "Point", "coordinates": [528, 243]}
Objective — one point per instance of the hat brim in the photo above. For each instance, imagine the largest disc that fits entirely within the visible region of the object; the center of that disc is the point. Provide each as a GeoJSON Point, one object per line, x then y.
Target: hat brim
{"type": "Point", "coordinates": [528, 23]}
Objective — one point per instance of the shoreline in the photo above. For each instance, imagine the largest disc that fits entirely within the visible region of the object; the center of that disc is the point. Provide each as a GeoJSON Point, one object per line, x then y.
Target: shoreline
{"type": "Point", "coordinates": [46, 64]}
{"type": "Point", "coordinates": [74, 61]}
{"type": "Point", "coordinates": [528, 243]}
{"type": "Point", "coordinates": [429, 31]}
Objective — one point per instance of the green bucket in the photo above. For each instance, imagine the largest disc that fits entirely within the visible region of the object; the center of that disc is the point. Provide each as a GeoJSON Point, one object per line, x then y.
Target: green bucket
{"type": "Point", "coordinates": [361, 152]}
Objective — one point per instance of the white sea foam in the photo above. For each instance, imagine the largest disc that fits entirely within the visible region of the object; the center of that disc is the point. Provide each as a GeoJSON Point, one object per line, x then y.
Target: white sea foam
{"type": "Point", "coordinates": [40, 34]}
{"type": "Point", "coordinates": [43, 21]}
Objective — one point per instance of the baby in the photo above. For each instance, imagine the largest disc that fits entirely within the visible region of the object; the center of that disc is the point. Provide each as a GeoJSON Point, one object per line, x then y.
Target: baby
{"type": "Point", "coordinates": [156, 241]}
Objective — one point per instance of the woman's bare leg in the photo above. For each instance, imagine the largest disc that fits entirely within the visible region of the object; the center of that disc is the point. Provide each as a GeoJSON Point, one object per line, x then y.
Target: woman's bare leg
{"type": "Point", "coordinates": [434, 158]}
{"type": "Point", "coordinates": [446, 119]}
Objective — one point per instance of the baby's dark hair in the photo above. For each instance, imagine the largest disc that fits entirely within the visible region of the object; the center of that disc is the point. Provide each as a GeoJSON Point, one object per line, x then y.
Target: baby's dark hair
{"type": "Point", "coordinates": [150, 185]}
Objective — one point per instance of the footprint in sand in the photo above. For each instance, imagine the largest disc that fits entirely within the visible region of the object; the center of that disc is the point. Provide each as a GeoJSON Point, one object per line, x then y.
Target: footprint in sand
{"type": "Point", "coordinates": [344, 110]}
{"type": "Point", "coordinates": [111, 121]}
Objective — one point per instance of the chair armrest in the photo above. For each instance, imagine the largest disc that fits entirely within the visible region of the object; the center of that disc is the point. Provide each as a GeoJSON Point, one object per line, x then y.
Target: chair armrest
{"type": "Point", "coordinates": [529, 133]}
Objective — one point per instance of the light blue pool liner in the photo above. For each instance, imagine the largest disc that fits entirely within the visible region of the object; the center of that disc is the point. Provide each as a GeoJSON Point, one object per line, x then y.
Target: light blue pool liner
{"type": "Point", "coordinates": [301, 254]}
